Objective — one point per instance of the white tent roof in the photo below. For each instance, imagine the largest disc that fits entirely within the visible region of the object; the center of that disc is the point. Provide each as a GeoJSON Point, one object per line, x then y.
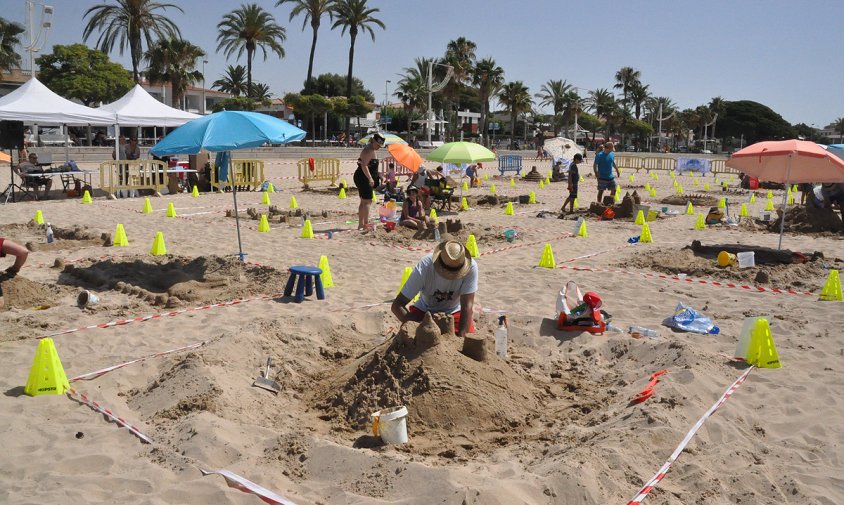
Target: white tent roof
{"type": "Point", "coordinates": [138, 108]}
{"type": "Point", "coordinates": [35, 103]}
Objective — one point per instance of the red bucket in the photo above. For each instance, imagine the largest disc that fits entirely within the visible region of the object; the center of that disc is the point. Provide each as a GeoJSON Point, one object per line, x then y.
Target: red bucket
{"type": "Point", "coordinates": [390, 225]}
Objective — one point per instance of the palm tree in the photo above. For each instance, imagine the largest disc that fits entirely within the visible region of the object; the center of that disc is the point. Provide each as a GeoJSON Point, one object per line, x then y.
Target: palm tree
{"type": "Point", "coordinates": [638, 96]}
{"type": "Point", "coordinates": [9, 39]}
{"type": "Point", "coordinates": [234, 81]}
{"type": "Point", "coordinates": [173, 61]}
{"type": "Point", "coordinates": [718, 106]}
{"type": "Point", "coordinates": [249, 28]}
{"type": "Point", "coordinates": [516, 97]}
{"type": "Point", "coordinates": [313, 10]}
{"type": "Point", "coordinates": [489, 78]}
{"type": "Point", "coordinates": [838, 124]}
{"type": "Point", "coordinates": [260, 92]}
{"type": "Point", "coordinates": [127, 23]}
{"type": "Point", "coordinates": [573, 106]}
{"type": "Point", "coordinates": [626, 78]}
{"type": "Point", "coordinates": [413, 87]}
{"type": "Point", "coordinates": [553, 93]}
{"type": "Point", "coordinates": [355, 16]}
{"type": "Point", "coordinates": [460, 54]}
{"type": "Point", "coordinates": [605, 107]}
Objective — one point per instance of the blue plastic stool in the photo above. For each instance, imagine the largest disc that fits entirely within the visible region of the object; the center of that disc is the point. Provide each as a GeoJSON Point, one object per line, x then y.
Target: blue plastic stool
{"type": "Point", "coordinates": [308, 276]}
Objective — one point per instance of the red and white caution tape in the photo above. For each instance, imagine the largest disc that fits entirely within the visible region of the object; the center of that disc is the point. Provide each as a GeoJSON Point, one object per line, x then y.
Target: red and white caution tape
{"type": "Point", "coordinates": [722, 284]}
{"type": "Point", "coordinates": [526, 244]}
{"type": "Point", "coordinates": [247, 486]}
{"type": "Point", "coordinates": [82, 397]}
{"type": "Point", "coordinates": [99, 373]}
{"type": "Point", "coordinates": [651, 484]}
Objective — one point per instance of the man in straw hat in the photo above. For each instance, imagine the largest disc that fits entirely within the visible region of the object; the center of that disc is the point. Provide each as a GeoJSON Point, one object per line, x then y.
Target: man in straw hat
{"type": "Point", "coordinates": [446, 281]}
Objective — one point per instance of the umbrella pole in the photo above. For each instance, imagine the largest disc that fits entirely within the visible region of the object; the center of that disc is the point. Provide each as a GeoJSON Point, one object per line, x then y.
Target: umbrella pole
{"type": "Point", "coordinates": [236, 215]}
{"type": "Point", "coordinates": [785, 200]}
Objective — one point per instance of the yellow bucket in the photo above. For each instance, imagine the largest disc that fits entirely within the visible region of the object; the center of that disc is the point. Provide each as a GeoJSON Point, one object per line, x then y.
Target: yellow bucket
{"type": "Point", "coordinates": [651, 215]}
{"type": "Point", "coordinates": [726, 259]}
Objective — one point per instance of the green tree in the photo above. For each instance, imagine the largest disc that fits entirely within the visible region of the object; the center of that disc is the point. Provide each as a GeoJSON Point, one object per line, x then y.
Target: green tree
{"type": "Point", "coordinates": [573, 105]}
{"type": "Point", "coordinates": [839, 127]}
{"type": "Point", "coordinates": [515, 96]}
{"type": "Point", "coordinates": [87, 75]}
{"type": "Point", "coordinates": [313, 11]}
{"type": "Point", "coordinates": [625, 80]}
{"type": "Point", "coordinates": [638, 97]}
{"type": "Point", "coordinates": [590, 123]}
{"type": "Point", "coordinates": [128, 24]}
{"type": "Point", "coordinates": [460, 56]}
{"type": "Point", "coordinates": [335, 85]}
{"type": "Point", "coordinates": [9, 38]}
{"type": "Point", "coordinates": [488, 77]}
{"type": "Point", "coordinates": [174, 61]}
{"type": "Point", "coordinates": [605, 107]}
{"type": "Point", "coordinates": [554, 93]}
{"type": "Point", "coordinates": [260, 92]}
{"type": "Point", "coordinates": [248, 29]}
{"type": "Point", "coordinates": [358, 106]}
{"type": "Point", "coordinates": [235, 103]}
{"type": "Point", "coordinates": [233, 81]}
{"type": "Point", "coordinates": [354, 16]}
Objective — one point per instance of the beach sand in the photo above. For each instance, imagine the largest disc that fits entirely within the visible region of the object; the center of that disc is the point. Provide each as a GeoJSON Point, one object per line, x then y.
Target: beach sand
{"type": "Point", "coordinates": [553, 424]}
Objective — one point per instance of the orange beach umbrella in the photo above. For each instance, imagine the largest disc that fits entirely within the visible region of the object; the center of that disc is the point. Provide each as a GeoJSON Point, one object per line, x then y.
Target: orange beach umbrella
{"type": "Point", "coordinates": [5, 157]}
{"type": "Point", "coordinates": [405, 155]}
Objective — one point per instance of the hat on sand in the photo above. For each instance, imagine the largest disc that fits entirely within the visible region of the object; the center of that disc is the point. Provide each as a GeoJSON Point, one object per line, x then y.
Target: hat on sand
{"type": "Point", "coordinates": [452, 260]}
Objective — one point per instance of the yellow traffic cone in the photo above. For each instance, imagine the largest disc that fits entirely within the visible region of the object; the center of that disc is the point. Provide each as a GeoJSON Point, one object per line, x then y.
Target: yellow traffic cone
{"type": "Point", "coordinates": [433, 214]}
{"type": "Point", "coordinates": [465, 186]}
{"type": "Point", "coordinates": [342, 194]}
{"type": "Point", "coordinates": [39, 217]}
{"type": "Point", "coordinates": [752, 197]}
{"type": "Point", "coordinates": [831, 291]}
{"type": "Point", "coordinates": [293, 203]}
{"type": "Point", "coordinates": [743, 211]}
{"type": "Point", "coordinates": [722, 203]}
{"type": "Point", "coordinates": [770, 205]}
{"type": "Point", "coordinates": [645, 236]}
{"type": "Point", "coordinates": [582, 179]}
{"type": "Point", "coordinates": [550, 173]}
{"type": "Point", "coordinates": [270, 188]}
{"type": "Point", "coordinates": [158, 246]}
{"type": "Point", "coordinates": [576, 205]}
{"type": "Point", "coordinates": [86, 197]}
{"type": "Point", "coordinates": [307, 230]}
{"type": "Point", "coordinates": [653, 192]}
{"type": "Point", "coordinates": [647, 186]}
{"type": "Point", "coordinates": [632, 178]}
{"type": "Point", "coordinates": [508, 210]}
{"type": "Point", "coordinates": [680, 189]}
{"type": "Point", "coordinates": [171, 210]}
{"type": "Point", "coordinates": [640, 217]}
{"type": "Point", "coordinates": [541, 184]}
{"type": "Point", "coordinates": [531, 197]}
{"type": "Point", "coordinates": [794, 188]}
{"type": "Point", "coordinates": [264, 225]}
{"type": "Point", "coordinates": [120, 238]}
{"type": "Point", "coordinates": [547, 181]}
{"type": "Point", "coordinates": [485, 177]}
{"type": "Point", "coordinates": [147, 206]}
{"type": "Point", "coordinates": [690, 209]}
{"type": "Point", "coordinates": [46, 377]}
{"type": "Point", "coordinates": [675, 183]}
{"type": "Point", "coordinates": [695, 182]}
{"type": "Point", "coordinates": [656, 176]}
{"type": "Point", "coordinates": [581, 230]}
{"type": "Point", "coordinates": [265, 199]}
{"type": "Point", "coordinates": [492, 188]}
{"type": "Point", "coordinates": [404, 276]}
{"type": "Point", "coordinates": [700, 224]}
{"type": "Point", "coordinates": [706, 186]}
{"type": "Point", "coordinates": [790, 200]}
{"type": "Point", "coordinates": [195, 192]}
{"type": "Point", "coordinates": [464, 204]}
{"type": "Point", "coordinates": [547, 260]}
{"type": "Point", "coordinates": [472, 246]}
{"type": "Point", "coordinates": [770, 194]}
{"type": "Point", "coordinates": [512, 182]}
{"type": "Point", "coordinates": [756, 344]}
{"type": "Point", "coordinates": [325, 277]}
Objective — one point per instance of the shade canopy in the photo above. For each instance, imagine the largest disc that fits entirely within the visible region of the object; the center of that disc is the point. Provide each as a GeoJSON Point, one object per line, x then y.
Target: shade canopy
{"type": "Point", "coordinates": [139, 108]}
{"type": "Point", "coordinates": [788, 161]}
{"type": "Point", "coordinates": [461, 152]}
{"type": "Point", "coordinates": [227, 131]}
{"type": "Point", "coordinates": [35, 103]}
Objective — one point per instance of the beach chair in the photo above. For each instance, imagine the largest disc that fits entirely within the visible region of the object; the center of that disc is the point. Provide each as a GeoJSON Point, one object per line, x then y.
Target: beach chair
{"type": "Point", "coordinates": [441, 193]}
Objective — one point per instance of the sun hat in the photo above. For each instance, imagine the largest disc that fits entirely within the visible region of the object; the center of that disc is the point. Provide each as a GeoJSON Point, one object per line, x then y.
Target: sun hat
{"type": "Point", "coordinates": [452, 260]}
{"type": "Point", "coordinates": [412, 188]}
{"type": "Point", "coordinates": [377, 137]}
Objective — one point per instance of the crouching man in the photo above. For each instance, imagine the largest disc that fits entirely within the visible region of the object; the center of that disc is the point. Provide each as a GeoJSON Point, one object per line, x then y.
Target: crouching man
{"type": "Point", "coordinates": [446, 282]}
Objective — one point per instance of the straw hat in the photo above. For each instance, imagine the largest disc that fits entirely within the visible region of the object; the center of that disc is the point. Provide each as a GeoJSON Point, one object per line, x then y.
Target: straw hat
{"type": "Point", "coordinates": [452, 260]}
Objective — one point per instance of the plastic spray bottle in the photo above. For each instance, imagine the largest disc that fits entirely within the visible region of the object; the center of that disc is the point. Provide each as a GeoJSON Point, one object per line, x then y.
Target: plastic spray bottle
{"type": "Point", "coordinates": [49, 234]}
{"type": "Point", "coordinates": [501, 338]}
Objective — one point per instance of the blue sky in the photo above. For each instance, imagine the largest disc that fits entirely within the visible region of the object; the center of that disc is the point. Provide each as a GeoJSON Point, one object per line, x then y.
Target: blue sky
{"type": "Point", "coordinates": [774, 52]}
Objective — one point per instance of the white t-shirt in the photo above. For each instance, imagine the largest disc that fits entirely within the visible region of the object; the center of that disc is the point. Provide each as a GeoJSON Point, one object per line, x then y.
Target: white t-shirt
{"type": "Point", "coordinates": [438, 294]}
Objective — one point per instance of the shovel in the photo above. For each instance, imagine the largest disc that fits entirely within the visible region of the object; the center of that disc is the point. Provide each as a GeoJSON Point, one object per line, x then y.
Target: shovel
{"type": "Point", "coordinates": [264, 381]}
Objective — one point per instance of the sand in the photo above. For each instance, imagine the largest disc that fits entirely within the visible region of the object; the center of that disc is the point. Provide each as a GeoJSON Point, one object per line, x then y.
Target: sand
{"type": "Point", "coordinates": [552, 424]}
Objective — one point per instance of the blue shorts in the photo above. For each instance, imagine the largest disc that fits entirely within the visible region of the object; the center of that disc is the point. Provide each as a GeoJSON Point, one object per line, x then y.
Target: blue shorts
{"type": "Point", "coordinates": [604, 184]}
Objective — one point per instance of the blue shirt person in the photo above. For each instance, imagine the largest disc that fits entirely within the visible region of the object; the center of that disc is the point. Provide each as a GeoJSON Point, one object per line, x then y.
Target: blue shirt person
{"type": "Point", "coordinates": [603, 166]}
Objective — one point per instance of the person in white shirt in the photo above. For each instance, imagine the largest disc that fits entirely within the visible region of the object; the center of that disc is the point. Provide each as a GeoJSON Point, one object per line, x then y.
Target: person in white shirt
{"type": "Point", "coordinates": [446, 281]}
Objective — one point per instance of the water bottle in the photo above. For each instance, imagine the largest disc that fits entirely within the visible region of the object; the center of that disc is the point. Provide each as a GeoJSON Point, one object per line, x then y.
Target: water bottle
{"type": "Point", "coordinates": [613, 328]}
{"type": "Point", "coordinates": [641, 331]}
{"type": "Point", "coordinates": [49, 234]}
{"type": "Point", "coordinates": [501, 338]}
{"type": "Point", "coordinates": [437, 234]}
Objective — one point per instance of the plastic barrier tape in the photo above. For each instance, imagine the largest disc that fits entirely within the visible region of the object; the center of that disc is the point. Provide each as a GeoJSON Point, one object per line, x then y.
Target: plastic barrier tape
{"type": "Point", "coordinates": [99, 373]}
{"type": "Point", "coordinates": [81, 397]}
{"type": "Point", "coordinates": [247, 486]}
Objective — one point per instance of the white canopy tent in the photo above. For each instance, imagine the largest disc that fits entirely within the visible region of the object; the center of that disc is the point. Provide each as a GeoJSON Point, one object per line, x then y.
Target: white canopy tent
{"type": "Point", "coordinates": [139, 108]}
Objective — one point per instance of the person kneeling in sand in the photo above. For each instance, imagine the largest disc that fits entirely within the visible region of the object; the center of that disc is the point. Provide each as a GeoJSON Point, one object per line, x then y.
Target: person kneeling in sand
{"type": "Point", "coordinates": [446, 281]}
{"type": "Point", "coordinates": [19, 252]}
{"type": "Point", "coordinates": [412, 213]}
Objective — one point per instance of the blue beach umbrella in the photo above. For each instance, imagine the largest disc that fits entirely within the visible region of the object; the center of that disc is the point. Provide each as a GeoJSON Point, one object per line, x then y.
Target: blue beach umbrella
{"type": "Point", "coordinates": [226, 131]}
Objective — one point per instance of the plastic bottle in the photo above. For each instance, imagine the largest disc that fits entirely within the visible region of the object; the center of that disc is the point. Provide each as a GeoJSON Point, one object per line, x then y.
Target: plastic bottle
{"type": "Point", "coordinates": [501, 338]}
{"type": "Point", "coordinates": [437, 236]}
{"type": "Point", "coordinates": [613, 328]}
{"type": "Point", "coordinates": [49, 234]}
{"type": "Point", "coordinates": [641, 331]}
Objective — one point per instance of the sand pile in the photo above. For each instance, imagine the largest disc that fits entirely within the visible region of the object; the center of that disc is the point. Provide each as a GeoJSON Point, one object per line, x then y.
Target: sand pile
{"type": "Point", "coordinates": [34, 237]}
{"type": "Point", "coordinates": [808, 219]}
{"type": "Point", "coordinates": [446, 392]}
{"type": "Point", "coordinates": [697, 200]}
{"type": "Point", "coordinates": [171, 281]}
{"type": "Point", "coordinates": [450, 229]}
{"type": "Point", "coordinates": [21, 293]}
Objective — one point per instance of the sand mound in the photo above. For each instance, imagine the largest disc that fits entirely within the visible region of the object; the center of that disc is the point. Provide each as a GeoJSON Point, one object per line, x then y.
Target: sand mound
{"type": "Point", "coordinates": [172, 281]}
{"type": "Point", "coordinates": [809, 275]}
{"type": "Point", "coordinates": [22, 293]}
{"type": "Point", "coordinates": [34, 236]}
{"type": "Point", "coordinates": [807, 219]}
{"type": "Point", "coordinates": [696, 199]}
{"type": "Point", "coordinates": [446, 392]}
{"type": "Point", "coordinates": [484, 235]}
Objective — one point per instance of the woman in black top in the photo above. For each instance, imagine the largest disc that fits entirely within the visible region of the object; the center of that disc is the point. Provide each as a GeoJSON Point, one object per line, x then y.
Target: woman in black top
{"type": "Point", "coordinates": [365, 178]}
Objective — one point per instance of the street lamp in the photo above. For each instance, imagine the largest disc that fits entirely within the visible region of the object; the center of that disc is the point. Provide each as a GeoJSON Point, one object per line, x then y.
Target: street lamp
{"type": "Point", "coordinates": [44, 26]}
{"type": "Point", "coordinates": [203, 87]}
{"type": "Point", "coordinates": [384, 105]}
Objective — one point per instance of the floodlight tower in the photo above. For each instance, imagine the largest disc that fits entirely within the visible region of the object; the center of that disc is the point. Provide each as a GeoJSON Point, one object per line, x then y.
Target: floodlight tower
{"type": "Point", "coordinates": [36, 41]}
{"type": "Point", "coordinates": [433, 88]}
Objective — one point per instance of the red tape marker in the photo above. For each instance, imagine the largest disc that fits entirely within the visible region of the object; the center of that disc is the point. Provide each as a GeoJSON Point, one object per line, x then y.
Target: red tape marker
{"type": "Point", "coordinates": [247, 486]}
{"type": "Point", "coordinates": [99, 373]}
{"type": "Point", "coordinates": [81, 397]}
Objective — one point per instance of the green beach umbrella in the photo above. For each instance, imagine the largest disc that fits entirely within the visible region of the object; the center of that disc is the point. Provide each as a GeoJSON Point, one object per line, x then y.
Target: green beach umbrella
{"type": "Point", "coordinates": [461, 152]}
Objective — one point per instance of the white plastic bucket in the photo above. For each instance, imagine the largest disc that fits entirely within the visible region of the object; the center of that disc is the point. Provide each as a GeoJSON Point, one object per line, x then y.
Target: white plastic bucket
{"type": "Point", "coordinates": [391, 425]}
{"type": "Point", "coordinates": [87, 299]}
{"type": "Point", "coordinates": [765, 215]}
{"type": "Point", "coordinates": [746, 259]}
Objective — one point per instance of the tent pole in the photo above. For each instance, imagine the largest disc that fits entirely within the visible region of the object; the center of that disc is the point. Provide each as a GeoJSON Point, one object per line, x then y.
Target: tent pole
{"type": "Point", "coordinates": [66, 142]}
{"type": "Point", "coordinates": [785, 200]}
{"type": "Point", "coordinates": [236, 215]}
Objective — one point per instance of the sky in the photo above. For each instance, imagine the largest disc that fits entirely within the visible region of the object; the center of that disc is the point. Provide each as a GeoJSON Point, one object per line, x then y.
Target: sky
{"type": "Point", "coordinates": [774, 52]}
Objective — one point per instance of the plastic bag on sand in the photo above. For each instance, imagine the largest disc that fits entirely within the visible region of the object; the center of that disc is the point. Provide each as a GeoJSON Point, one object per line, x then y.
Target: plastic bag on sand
{"type": "Point", "coordinates": [688, 319]}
